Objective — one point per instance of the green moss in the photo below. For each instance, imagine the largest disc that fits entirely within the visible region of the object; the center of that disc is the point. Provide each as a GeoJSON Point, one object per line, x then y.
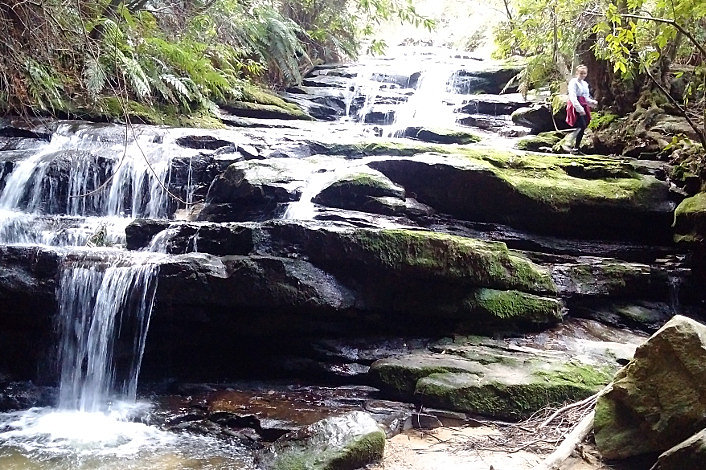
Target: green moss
{"type": "Point", "coordinates": [366, 149]}
{"type": "Point", "coordinates": [577, 374]}
{"type": "Point", "coordinates": [690, 219]}
{"type": "Point", "coordinates": [539, 141]}
{"type": "Point", "coordinates": [509, 399]}
{"type": "Point", "coordinates": [444, 136]}
{"type": "Point", "coordinates": [485, 264]}
{"type": "Point", "coordinates": [517, 305]}
{"type": "Point", "coordinates": [363, 179]}
{"type": "Point", "coordinates": [561, 182]}
{"type": "Point", "coordinates": [694, 204]}
{"type": "Point", "coordinates": [401, 379]}
{"type": "Point", "coordinates": [265, 111]}
{"type": "Point", "coordinates": [362, 451]}
{"type": "Point", "coordinates": [113, 109]}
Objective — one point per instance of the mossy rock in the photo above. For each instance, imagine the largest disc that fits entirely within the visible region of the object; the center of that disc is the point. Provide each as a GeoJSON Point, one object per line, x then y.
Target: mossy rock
{"type": "Point", "coordinates": [588, 197]}
{"type": "Point", "coordinates": [398, 376]}
{"type": "Point", "coordinates": [542, 142]}
{"type": "Point", "coordinates": [425, 254]}
{"type": "Point", "coordinates": [356, 191]}
{"type": "Point", "coordinates": [368, 149]}
{"type": "Point", "coordinates": [656, 401]}
{"type": "Point", "coordinates": [111, 108]}
{"type": "Point", "coordinates": [416, 255]}
{"type": "Point", "coordinates": [515, 306]}
{"type": "Point", "coordinates": [510, 393]}
{"type": "Point", "coordinates": [498, 383]}
{"type": "Point", "coordinates": [690, 220]}
{"type": "Point", "coordinates": [344, 442]}
{"type": "Point", "coordinates": [441, 136]}
{"type": "Point", "coordinates": [265, 111]}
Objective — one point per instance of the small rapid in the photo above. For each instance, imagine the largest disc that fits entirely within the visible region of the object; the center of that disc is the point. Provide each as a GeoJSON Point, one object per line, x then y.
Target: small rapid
{"type": "Point", "coordinates": [84, 180]}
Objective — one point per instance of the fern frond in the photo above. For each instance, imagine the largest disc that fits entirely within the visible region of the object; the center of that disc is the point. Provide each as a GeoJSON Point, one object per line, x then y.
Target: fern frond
{"type": "Point", "coordinates": [134, 73]}
{"type": "Point", "coordinates": [94, 76]}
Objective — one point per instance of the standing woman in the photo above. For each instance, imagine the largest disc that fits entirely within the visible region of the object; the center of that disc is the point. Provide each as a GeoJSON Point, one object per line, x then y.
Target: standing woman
{"type": "Point", "coordinates": [578, 108]}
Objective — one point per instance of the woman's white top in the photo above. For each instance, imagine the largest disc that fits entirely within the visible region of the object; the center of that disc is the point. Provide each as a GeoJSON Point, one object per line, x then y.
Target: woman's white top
{"type": "Point", "coordinates": [579, 88]}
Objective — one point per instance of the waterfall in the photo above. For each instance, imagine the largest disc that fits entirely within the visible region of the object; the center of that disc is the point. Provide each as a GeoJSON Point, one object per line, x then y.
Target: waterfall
{"type": "Point", "coordinates": [81, 180]}
{"type": "Point", "coordinates": [304, 208]}
{"type": "Point", "coordinates": [98, 307]}
{"type": "Point", "coordinates": [429, 105]}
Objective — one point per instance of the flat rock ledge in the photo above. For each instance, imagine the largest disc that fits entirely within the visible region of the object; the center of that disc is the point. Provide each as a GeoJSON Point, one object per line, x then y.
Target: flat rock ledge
{"type": "Point", "coordinates": [490, 378]}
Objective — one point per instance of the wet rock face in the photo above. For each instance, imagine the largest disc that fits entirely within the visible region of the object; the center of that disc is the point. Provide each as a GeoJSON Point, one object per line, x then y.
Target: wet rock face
{"type": "Point", "coordinates": [657, 399]}
{"type": "Point", "coordinates": [23, 395]}
{"type": "Point", "coordinates": [346, 442]}
{"type": "Point", "coordinates": [27, 302]}
{"type": "Point", "coordinates": [343, 282]}
{"type": "Point", "coordinates": [69, 172]}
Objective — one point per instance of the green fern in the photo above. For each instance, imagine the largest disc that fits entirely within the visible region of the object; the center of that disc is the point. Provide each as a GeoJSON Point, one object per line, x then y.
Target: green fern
{"type": "Point", "coordinates": [94, 76]}
{"type": "Point", "coordinates": [44, 87]}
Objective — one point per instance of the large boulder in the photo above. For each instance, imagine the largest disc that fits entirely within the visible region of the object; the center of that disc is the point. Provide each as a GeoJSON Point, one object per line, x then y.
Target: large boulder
{"type": "Point", "coordinates": [690, 220]}
{"type": "Point", "coordinates": [346, 442]}
{"type": "Point", "coordinates": [657, 400]}
{"type": "Point", "coordinates": [589, 197]}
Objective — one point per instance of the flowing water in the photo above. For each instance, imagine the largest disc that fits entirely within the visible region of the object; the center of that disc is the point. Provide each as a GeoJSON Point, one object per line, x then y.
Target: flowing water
{"type": "Point", "coordinates": [82, 188]}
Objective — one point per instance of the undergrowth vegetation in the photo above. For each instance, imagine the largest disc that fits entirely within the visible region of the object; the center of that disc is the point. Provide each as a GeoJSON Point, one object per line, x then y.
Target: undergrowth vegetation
{"type": "Point", "coordinates": [77, 58]}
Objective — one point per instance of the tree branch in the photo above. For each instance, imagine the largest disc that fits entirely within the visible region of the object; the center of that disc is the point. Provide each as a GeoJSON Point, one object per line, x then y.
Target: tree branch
{"type": "Point", "coordinates": [702, 136]}
{"type": "Point", "coordinates": [679, 27]}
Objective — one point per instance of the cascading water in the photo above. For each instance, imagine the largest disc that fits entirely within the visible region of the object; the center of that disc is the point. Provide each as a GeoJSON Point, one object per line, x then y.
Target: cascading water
{"type": "Point", "coordinates": [432, 103]}
{"type": "Point", "coordinates": [97, 307]}
{"type": "Point", "coordinates": [83, 188]}
{"type": "Point", "coordinates": [88, 182]}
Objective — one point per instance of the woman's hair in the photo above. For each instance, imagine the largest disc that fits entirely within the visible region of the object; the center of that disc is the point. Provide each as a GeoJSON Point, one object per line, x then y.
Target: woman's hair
{"type": "Point", "coordinates": [581, 67]}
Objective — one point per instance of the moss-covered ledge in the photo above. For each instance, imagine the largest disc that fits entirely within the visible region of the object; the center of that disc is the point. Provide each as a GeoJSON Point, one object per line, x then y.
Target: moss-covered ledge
{"type": "Point", "coordinates": [259, 103]}
{"type": "Point", "coordinates": [431, 255]}
{"type": "Point", "coordinates": [512, 394]}
{"type": "Point", "coordinates": [506, 385]}
{"type": "Point", "coordinates": [587, 197]}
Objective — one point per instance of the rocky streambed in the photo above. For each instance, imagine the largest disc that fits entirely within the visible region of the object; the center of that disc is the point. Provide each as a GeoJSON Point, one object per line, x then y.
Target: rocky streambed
{"type": "Point", "coordinates": [315, 270]}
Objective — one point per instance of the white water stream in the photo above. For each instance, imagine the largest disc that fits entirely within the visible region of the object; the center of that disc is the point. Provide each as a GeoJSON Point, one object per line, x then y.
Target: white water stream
{"type": "Point", "coordinates": [82, 182]}
{"type": "Point", "coordinates": [84, 186]}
